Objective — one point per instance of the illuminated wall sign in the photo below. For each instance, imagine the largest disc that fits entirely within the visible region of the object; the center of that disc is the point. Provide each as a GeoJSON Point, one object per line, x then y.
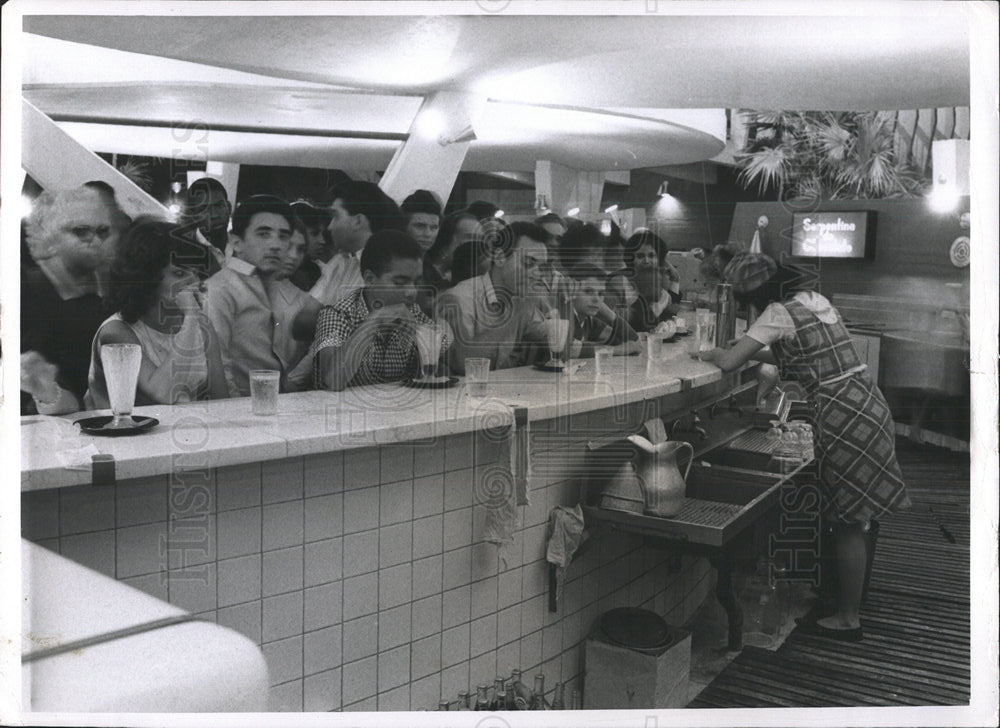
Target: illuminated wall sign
{"type": "Point", "coordinates": [834, 234]}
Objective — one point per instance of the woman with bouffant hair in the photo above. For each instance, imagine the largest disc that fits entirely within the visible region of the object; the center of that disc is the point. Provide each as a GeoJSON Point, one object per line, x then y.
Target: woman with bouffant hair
{"type": "Point", "coordinates": [155, 293]}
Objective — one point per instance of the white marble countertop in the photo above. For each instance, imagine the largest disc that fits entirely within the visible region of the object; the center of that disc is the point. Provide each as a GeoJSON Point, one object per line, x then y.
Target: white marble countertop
{"type": "Point", "coordinates": [225, 432]}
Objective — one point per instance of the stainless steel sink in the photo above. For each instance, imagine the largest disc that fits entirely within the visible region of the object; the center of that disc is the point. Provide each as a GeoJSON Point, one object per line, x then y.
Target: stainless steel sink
{"type": "Point", "coordinates": [719, 503]}
{"type": "Point", "coordinates": [934, 362]}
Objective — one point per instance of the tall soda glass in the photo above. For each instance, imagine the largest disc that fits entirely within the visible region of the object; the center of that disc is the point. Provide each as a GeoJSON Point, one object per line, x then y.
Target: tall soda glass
{"type": "Point", "coordinates": [121, 364]}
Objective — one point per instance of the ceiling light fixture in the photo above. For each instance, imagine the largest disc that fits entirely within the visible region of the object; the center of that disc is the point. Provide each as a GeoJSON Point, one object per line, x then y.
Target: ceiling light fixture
{"type": "Point", "coordinates": [498, 213]}
{"type": "Point", "coordinates": [609, 210]}
{"type": "Point", "coordinates": [468, 134]}
{"type": "Point", "coordinates": [573, 211]}
{"type": "Point", "coordinates": [663, 191]}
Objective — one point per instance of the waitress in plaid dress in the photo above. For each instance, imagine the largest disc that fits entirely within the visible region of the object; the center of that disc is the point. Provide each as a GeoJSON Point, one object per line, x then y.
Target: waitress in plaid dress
{"type": "Point", "coordinates": [855, 437]}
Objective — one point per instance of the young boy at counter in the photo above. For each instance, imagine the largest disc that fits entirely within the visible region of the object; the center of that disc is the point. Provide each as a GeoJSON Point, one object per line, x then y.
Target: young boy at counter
{"type": "Point", "coordinates": [594, 323]}
{"type": "Point", "coordinates": [368, 336]}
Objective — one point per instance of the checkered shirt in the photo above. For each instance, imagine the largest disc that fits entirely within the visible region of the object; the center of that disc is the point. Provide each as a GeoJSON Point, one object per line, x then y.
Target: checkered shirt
{"type": "Point", "coordinates": [392, 354]}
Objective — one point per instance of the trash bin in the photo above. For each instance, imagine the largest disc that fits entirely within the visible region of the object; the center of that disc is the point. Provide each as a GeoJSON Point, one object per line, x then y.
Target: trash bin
{"type": "Point", "coordinates": [633, 659]}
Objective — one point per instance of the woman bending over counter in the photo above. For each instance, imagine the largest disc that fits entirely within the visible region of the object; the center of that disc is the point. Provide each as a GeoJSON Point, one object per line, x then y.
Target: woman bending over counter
{"type": "Point", "coordinates": [855, 437]}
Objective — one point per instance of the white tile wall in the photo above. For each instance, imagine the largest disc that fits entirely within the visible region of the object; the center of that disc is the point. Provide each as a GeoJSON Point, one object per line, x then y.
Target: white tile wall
{"type": "Point", "coordinates": [141, 501]}
{"type": "Point", "coordinates": [394, 667]}
{"type": "Point", "coordinates": [238, 486]}
{"type": "Point", "coordinates": [282, 617]}
{"type": "Point", "coordinates": [360, 680]}
{"type": "Point", "coordinates": [395, 544]}
{"type": "Point", "coordinates": [361, 637]}
{"type": "Point", "coordinates": [428, 495]}
{"type": "Point", "coordinates": [324, 517]}
{"type": "Point", "coordinates": [282, 525]}
{"type": "Point", "coordinates": [323, 561]}
{"type": "Point", "coordinates": [238, 532]}
{"type": "Point", "coordinates": [282, 571]}
{"type": "Point", "coordinates": [457, 606]}
{"type": "Point", "coordinates": [321, 692]}
{"type": "Point", "coordinates": [95, 550]}
{"type": "Point", "coordinates": [396, 502]}
{"type": "Point", "coordinates": [367, 595]}
{"type": "Point", "coordinates": [323, 650]}
{"type": "Point", "coordinates": [395, 627]}
{"type": "Point", "coordinates": [361, 551]}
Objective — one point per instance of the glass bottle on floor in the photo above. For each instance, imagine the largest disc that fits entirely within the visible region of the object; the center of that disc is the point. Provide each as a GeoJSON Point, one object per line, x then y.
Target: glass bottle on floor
{"type": "Point", "coordinates": [521, 694]}
{"type": "Point", "coordinates": [558, 697]}
{"type": "Point", "coordinates": [482, 697]}
{"type": "Point", "coordinates": [538, 694]}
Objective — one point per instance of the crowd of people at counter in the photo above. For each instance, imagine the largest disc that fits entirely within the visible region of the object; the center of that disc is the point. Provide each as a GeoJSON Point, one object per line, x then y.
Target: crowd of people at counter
{"type": "Point", "coordinates": [332, 297]}
{"type": "Point", "coordinates": [329, 296]}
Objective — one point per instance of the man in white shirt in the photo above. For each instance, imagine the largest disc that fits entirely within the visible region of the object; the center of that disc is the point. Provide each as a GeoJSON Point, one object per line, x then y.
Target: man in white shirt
{"type": "Point", "coordinates": [250, 308]}
{"type": "Point", "coordinates": [358, 210]}
{"type": "Point", "coordinates": [496, 315]}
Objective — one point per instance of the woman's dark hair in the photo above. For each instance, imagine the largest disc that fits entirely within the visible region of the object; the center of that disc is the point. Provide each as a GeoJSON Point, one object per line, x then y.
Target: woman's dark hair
{"type": "Point", "coordinates": [782, 285]}
{"type": "Point", "coordinates": [716, 261]}
{"type": "Point", "coordinates": [549, 217]}
{"type": "Point", "coordinates": [638, 240]}
{"type": "Point", "coordinates": [579, 241]}
{"type": "Point", "coordinates": [386, 246]}
{"type": "Point", "coordinates": [482, 210]}
{"type": "Point", "coordinates": [257, 204]}
{"type": "Point", "coordinates": [445, 233]}
{"type": "Point", "coordinates": [421, 201]}
{"type": "Point", "coordinates": [465, 260]}
{"type": "Point", "coordinates": [149, 246]}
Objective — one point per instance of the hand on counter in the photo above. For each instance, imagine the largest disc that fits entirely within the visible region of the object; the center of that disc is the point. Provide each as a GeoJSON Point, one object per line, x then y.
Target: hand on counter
{"type": "Point", "coordinates": [710, 355]}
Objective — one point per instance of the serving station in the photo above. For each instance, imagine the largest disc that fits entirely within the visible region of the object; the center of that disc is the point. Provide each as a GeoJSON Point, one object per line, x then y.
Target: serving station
{"type": "Point", "coordinates": [346, 535]}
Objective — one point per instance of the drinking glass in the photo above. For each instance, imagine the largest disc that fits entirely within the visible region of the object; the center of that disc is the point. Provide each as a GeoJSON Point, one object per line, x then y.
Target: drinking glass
{"type": "Point", "coordinates": [602, 361]}
{"type": "Point", "coordinates": [264, 391]}
{"type": "Point", "coordinates": [428, 340]}
{"type": "Point", "coordinates": [121, 364]}
{"type": "Point", "coordinates": [706, 329]}
{"type": "Point", "coordinates": [477, 374]}
{"type": "Point", "coordinates": [654, 347]}
{"type": "Point", "coordinates": [556, 331]}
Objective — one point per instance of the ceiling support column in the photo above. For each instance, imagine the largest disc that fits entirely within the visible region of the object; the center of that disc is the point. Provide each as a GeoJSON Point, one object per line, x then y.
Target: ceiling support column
{"type": "Point", "coordinates": [562, 188]}
{"type": "Point", "coordinates": [433, 153]}
{"type": "Point", "coordinates": [57, 161]}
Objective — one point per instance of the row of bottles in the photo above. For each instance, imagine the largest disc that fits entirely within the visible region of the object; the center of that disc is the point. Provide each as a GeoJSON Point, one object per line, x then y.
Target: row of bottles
{"type": "Point", "coordinates": [512, 694]}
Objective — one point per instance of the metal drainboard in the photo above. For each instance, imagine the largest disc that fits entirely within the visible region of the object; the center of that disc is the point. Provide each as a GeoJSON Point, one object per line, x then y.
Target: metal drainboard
{"type": "Point", "coordinates": [753, 441]}
{"type": "Point", "coordinates": [706, 513]}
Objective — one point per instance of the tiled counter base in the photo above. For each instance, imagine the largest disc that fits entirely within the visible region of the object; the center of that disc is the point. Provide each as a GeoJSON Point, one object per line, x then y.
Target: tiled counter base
{"type": "Point", "coordinates": [362, 574]}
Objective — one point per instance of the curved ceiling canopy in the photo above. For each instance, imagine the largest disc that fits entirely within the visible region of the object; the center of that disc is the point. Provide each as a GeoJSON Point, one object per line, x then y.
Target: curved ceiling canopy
{"type": "Point", "coordinates": [594, 92]}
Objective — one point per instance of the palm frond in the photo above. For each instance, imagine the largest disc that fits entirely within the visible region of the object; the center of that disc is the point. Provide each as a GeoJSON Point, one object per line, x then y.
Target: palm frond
{"type": "Point", "coordinates": [138, 173]}
{"type": "Point", "coordinates": [767, 167]}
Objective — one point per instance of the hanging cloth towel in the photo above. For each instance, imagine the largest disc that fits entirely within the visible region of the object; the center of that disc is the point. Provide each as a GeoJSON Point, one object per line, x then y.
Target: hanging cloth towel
{"type": "Point", "coordinates": [506, 486]}
{"type": "Point", "coordinates": [565, 533]}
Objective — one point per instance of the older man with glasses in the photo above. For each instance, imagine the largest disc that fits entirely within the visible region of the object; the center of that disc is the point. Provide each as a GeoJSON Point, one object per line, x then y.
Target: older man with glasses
{"type": "Point", "coordinates": [71, 235]}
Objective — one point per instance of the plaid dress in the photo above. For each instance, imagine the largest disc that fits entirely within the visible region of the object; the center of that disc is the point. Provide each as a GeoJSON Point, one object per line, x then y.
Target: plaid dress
{"type": "Point", "coordinates": [855, 437]}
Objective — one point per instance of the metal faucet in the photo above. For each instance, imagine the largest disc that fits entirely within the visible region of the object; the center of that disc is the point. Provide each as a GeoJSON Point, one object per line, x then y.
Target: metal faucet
{"type": "Point", "coordinates": [694, 428]}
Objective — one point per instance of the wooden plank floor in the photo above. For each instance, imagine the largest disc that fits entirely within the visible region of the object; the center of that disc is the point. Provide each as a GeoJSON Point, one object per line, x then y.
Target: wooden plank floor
{"type": "Point", "coordinates": [916, 619]}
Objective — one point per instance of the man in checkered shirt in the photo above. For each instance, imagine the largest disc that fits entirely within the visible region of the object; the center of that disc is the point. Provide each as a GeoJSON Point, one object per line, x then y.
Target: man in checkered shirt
{"type": "Point", "coordinates": [368, 336]}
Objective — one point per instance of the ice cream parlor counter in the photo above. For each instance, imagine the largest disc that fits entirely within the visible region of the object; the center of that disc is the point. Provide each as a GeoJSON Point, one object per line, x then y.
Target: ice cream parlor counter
{"type": "Point", "coordinates": [346, 535]}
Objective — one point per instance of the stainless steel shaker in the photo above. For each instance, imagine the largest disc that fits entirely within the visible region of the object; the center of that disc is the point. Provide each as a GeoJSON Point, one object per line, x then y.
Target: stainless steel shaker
{"type": "Point", "coordinates": [725, 314]}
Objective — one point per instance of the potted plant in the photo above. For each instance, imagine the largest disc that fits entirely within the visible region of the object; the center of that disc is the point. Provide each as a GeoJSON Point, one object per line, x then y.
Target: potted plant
{"type": "Point", "coordinates": [826, 155]}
